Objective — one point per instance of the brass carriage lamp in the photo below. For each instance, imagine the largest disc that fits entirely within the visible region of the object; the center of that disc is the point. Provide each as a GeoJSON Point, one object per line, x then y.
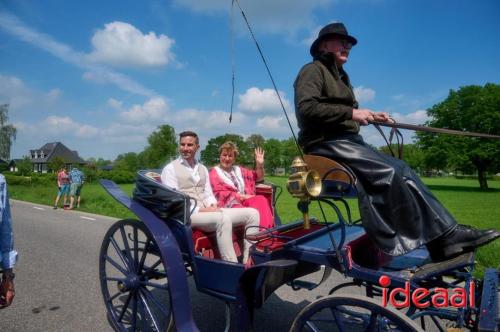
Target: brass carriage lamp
{"type": "Point", "coordinates": [303, 184]}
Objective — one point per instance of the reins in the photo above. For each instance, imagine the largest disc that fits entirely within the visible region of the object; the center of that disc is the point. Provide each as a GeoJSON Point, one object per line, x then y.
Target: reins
{"type": "Point", "coordinates": [434, 130]}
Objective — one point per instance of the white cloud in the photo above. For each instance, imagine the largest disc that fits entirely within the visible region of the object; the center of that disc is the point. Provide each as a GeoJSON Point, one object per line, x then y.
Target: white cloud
{"type": "Point", "coordinates": [105, 76]}
{"type": "Point", "coordinates": [265, 100]}
{"type": "Point", "coordinates": [14, 92]}
{"type": "Point", "coordinates": [418, 117]}
{"type": "Point", "coordinates": [276, 16]}
{"type": "Point", "coordinates": [122, 44]}
{"type": "Point", "coordinates": [56, 128]}
{"type": "Point", "coordinates": [269, 122]}
{"type": "Point", "coordinates": [115, 104]}
{"type": "Point", "coordinates": [364, 95]}
{"type": "Point", "coordinates": [16, 27]}
{"type": "Point", "coordinates": [54, 94]}
{"type": "Point", "coordinates": [153, 110]}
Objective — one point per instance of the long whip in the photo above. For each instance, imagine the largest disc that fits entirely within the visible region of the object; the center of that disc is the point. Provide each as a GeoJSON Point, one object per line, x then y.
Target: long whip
{"type": "Point", "coordinates": [268, 72]}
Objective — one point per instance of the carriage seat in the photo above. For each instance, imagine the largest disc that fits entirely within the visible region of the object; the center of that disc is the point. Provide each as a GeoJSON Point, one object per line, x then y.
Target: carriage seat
{"type": "Point", "coordinates": [338, 180]}
{"type": "Point", "coordinates": [205, 243]}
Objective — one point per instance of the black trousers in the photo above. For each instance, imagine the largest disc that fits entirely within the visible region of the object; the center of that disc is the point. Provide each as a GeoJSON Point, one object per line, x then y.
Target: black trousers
{"type": "Point", "coordinates": [398, 211]}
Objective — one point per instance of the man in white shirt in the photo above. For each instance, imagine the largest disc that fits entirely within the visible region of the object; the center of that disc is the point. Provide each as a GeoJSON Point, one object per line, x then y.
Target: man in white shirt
{"type": "Point", "coordinates": [191, 177]}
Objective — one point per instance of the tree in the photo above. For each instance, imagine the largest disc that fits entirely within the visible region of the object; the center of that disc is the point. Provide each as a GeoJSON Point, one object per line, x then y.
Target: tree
{"type": "Point", "coordinates": [289, 152]}
{"type": "Point", "coordinates": [210, 155]}
{"type": "Point", "coordinates": [412, 155]}
{"type": "Point", "coordinates": [162, 147]}
{"type": "Point", "coordinates": [255, 140]}
{"type": "Point", "coordinates": [273, 156]}
{"type": "Point", "coordinates": [129, 161]}
{"type": "Point", "coordinates": [7, 133]}
{"type": "Point", "coordinates": [99, 162]}
{"type": "Point", "coordinates": [56, 164]}
{"type": "Point", "coordinates": [470, 108]}
{"type": "Point", "coordinates": [24, 166]}
{"type": "Point", "coordinates": [90, 171]}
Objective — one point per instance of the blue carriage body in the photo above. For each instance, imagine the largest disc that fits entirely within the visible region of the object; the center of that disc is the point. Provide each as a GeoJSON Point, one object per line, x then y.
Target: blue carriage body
{"type": "Point", "coordinates": [286, 253]}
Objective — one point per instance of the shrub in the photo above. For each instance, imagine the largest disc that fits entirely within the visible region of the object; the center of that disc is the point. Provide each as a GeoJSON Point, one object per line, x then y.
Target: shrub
{"type": "Point", "coordinates": [18, 179]}
{"type": "Point", "coordinates": [118, 176]}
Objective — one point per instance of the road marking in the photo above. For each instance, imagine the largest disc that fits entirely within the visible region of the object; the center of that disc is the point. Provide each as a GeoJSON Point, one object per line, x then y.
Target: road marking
{"type": "Point", "coordinates": [38, 208]}
{"type": "Point", "coordinates": [87, 218]}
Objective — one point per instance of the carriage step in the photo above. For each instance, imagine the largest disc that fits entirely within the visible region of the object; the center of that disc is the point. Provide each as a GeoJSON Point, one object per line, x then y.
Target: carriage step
{"type": "Point", "coordinates": [301, 284]}
{"type": "Point", "coordinates": [435, 268]}
{"type": "Point", "coordinates": [490, 315]}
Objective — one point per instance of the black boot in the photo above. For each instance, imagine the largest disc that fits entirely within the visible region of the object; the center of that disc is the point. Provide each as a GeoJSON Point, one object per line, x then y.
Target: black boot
{"type": "Point", "coordinates": [459, 240]}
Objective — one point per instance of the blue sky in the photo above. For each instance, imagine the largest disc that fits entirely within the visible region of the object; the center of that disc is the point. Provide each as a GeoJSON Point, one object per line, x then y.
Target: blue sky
{"type": "Point", "coordinates": [100, 76]}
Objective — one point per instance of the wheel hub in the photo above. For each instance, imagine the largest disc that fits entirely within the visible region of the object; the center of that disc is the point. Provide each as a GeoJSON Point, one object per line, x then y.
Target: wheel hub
{"type": "Point", "coordinates": [131, 283]}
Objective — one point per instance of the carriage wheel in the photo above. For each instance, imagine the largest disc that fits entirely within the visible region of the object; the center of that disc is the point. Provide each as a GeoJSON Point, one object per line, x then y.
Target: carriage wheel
{"type": "Point", "coordinates": [350, 313]}
{"type": "Point", "coordinates": [134, 283]}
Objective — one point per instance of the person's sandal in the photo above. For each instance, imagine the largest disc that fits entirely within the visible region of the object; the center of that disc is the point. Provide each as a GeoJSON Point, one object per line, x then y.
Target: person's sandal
{"type": "Point", "coordinates": [7, 293]}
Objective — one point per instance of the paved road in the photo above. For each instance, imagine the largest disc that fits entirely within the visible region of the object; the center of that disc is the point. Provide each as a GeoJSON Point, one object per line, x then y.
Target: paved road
{"type": "Point", "coordinates": [57, 287]}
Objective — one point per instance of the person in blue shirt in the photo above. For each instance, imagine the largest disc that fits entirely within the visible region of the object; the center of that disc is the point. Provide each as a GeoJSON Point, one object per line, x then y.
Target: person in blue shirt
{"type": "Point", "coordinates": [8, 256]}
{"type": "Point", "coordinates": [76, 178]}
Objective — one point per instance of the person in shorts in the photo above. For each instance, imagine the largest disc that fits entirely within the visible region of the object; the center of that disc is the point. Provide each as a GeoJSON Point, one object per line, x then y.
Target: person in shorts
{"type": "Point", "coordinates": [63, 185]}
{"type": "Point", "coordinates": [76, 178]}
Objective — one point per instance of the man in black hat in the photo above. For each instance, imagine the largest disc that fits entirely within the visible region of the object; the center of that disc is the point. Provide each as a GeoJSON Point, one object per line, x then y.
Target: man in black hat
{"type": "Point", "coordinates": [399, 213]}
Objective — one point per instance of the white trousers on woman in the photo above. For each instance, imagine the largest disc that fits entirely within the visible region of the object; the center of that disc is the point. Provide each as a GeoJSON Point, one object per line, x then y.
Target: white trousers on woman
{"type": "Point", "coordinates": [222, 223]}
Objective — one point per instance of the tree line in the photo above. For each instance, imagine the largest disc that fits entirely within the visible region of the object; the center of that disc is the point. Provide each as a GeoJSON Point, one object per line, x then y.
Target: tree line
{"type": "Point", "coordinates": [471, 108]}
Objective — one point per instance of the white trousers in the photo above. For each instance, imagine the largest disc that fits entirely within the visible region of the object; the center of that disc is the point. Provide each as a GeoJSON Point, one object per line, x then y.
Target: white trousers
{"type": "Point", "coordinates": [222, 223]}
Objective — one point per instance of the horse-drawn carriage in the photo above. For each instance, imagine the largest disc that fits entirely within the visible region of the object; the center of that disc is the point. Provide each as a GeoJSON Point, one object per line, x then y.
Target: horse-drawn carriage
{"type": "Point", "coordinates": [145, 264]}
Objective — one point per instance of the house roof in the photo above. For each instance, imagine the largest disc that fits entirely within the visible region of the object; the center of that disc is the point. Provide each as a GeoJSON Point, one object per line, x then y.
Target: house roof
{"type": "Point", "coordinates": [57, 149]}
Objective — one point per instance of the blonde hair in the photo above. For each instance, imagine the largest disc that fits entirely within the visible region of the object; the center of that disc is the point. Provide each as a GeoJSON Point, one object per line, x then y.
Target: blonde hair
{"type": "Point", "coordinates": [229, 147]}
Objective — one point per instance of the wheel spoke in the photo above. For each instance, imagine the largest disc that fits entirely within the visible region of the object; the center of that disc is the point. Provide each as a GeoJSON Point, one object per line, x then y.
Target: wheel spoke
{"type": "Point", "coordinates": [134, 311]}
{"type": "Point", "coordinates": [150, 296]}
{"type": "Point", "coordinates": [148, 309]}
{"type": "Point", "coordinates": [312, 326]}
{"type": "Point", "coordinates": [143, 257]}
{"type": "Point", "coordinates": [144, 322]}
{"type": "Point", "coordinates": [151, 268]}
{"type": "Point", "coordinates": [127, 248]}
{"type": "Point", "coordinates": [119, 253]}
{"type": "Point", "coordinates": [115, 264]}
{"type": "Point", "coordinates": [372, 323]}
{"type": "Point", "coordinates": [125, 307]}
{"type": "Point", "coordinates": [338, 319]}
{"type": "Point", "coordinates": [114, 279]}
{"type": "Point", "coordinates": [112, 298]}
{"type": "Point", "coordinates": [136, 250]}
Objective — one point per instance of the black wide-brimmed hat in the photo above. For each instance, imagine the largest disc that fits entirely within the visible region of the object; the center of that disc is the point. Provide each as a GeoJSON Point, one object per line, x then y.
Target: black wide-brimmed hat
{"type": "Point", "coordinates": [332, 29]}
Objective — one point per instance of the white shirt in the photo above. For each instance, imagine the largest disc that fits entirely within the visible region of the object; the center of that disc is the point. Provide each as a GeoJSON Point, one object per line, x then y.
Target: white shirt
{"type": "Point", "coordinates": [169, 178]}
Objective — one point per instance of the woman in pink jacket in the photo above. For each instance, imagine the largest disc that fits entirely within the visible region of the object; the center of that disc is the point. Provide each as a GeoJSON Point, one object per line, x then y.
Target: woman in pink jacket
{"type": "Point", "coordinates": [234, 186]}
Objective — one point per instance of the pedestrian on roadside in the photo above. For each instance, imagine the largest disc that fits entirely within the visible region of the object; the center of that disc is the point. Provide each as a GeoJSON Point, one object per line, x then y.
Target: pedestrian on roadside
{"type": "Point", "coordinates": [76, 178]}
{"type": "Point", "coordinates": [63, 185]}
{"type": "Point", "coordinates": [8, 256]}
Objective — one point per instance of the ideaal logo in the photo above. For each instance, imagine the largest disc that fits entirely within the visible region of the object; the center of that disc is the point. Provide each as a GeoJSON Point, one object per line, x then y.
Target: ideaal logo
{"type": "Point", "coordinates": [457, 297]}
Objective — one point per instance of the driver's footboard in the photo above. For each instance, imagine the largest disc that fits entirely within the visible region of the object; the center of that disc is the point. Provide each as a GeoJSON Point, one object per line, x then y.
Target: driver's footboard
{"type": "Point", "coordinates": [489, 319]}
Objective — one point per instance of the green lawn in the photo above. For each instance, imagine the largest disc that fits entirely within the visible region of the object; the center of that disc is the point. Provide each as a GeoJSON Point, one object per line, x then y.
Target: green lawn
{"type": "Point", "coordinates": [462, 197]}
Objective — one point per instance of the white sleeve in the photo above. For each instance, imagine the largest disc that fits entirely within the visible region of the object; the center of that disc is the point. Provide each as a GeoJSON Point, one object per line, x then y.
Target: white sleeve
{"type": "Point", "coordinates": [209, 197]}
{"type": "Point", "coordinates": [168, 176]}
